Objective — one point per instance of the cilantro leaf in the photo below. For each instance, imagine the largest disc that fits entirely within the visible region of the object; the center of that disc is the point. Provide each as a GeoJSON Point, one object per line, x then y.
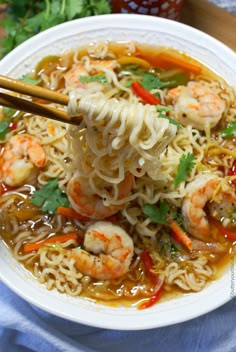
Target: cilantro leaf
{"type": "Point", "coordinates": [229, 131]}
{"type": "Point", "coordinates": [74, 8]}
{"type": "Point", "coordinates": [155, 213]}
{"type": "Point", "coordinates": [50, 197]}
{"type": "Point", "coordinates": [3, 129]}
{"type": "Point", "coordinates": [185, 167]}
{"type": "Point", "coordinates": [162, 108]}
{"type": "Point", "coordinates": [28, 79]}
{"type": "Point", "coordinates": [97, 7]}
{"type": "Point", "coordinates": [151, 81]}
{"type": "Point", "coordinates": [95, 78]}
{"type": "Point", "coordinates": [174, 122]}
{"type": "Point", "coordinates": [9, 112]}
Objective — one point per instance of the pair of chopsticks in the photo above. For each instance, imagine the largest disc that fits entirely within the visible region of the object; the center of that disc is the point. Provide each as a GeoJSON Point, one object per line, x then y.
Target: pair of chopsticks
{"type": "Point", "coordinates": [16, 103]}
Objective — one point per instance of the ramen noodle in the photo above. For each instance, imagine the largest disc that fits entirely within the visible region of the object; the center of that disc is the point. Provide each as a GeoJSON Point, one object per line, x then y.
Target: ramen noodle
{"type": "Point", "coordinates": [138, 201]}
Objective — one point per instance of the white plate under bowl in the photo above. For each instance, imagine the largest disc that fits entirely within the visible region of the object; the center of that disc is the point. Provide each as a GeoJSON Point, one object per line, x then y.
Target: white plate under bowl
{"type": "Point", "coordinates": [142, 29]}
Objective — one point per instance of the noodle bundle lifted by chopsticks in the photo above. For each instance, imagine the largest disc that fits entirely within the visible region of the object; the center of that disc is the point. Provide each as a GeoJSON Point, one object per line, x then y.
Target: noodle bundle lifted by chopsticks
{"type": "Point", "coordinates": [119, 137]}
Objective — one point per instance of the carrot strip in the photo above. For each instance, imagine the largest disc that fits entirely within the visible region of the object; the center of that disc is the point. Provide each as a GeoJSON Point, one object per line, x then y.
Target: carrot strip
{"type": "Point", "coordinates": [144, 94]}
{"type": "Point", "coordinates": [30, 247]}
{"type": "Point", "coordinates": [71, 213]}
{"type": "Point", "coordinates": [165, 58]}
{"type": "Point", "coordinates": [181, 234]}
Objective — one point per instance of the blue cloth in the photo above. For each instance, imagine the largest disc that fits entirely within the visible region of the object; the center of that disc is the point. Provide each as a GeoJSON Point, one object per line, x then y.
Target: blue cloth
{"type": "Point", "coordinates": [25, 328]}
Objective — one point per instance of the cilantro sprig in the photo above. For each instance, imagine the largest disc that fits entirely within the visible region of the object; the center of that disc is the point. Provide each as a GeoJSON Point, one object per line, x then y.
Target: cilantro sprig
{"type": "Point", "coordinates": [50, 197]}
{"type": "Point", "coordinates": [95, 78]}
{"type": "Point", "coordinates": [229, 131]}
{"type": "Point", "coordinates": [157, 213]}
{"type": "Point", "coordinates": [151, 81]}
{"type": "Point", "coordinates": [163, 111]}
{"type": "Point", "coordinates": [30, 80]}
{"type": "Point", "coordinates": [186, 164]}
{"type": "Point", "coordinates": [26, 18]}
{"type": "Point", "coordinates": [4, 129]}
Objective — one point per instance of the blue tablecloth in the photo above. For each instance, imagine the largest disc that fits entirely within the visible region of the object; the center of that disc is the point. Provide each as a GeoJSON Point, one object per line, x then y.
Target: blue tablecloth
{"type": "Point", "coordinates": [25, 328]}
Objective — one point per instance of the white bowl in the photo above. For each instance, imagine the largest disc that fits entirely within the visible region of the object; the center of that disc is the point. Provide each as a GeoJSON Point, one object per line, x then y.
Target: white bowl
{"type": "Point", "coordinates": [142, 29]}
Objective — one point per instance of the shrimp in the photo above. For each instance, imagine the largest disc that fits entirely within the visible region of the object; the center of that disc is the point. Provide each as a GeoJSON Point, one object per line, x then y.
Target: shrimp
{"type": "Point", "coordinates": [112, 250]}
{"type": "Point", "coordinates": [90, 204]}
{"type": "Point", "coordinates": [72, 77]}
{"type": "Point", "coordinates": [199, 192]}
{"type": "Point", "coordinates": [208, 194]}
{"type": "Point", "coordinates": [196, 105]}
{"type": "Point", "coordinates": [20, 156]}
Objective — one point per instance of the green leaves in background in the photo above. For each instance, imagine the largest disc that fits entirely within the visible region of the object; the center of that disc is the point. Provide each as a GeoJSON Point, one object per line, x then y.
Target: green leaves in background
{"type": "Point", "coordinates": [26, 18]}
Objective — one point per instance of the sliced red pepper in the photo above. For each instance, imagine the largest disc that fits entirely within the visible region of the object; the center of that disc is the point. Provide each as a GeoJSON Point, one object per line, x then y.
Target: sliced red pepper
{"type": "Point", "coordinates": [144, 94]}
{"type": "Point", "coordinates": [148, 265]}
{"type": "Point", "coordinates": [152, 300]}
{"type": "Point", "coordinates": [223, 231]}
{"type": "Point", "coordinates": [232, 172]}
{"type": "Point", "coordinates": [12, 126]}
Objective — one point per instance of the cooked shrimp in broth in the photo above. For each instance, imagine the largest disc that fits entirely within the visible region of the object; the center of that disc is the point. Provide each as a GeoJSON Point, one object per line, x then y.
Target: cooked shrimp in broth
{"type": "Point", "coordinates": [107, 253]}
{"type": "Point", "coordinates": [20, 156]}
{"type": "Point", "coordinates": [198, 193]}
{"type": "Point", "coordinates": [197, 105]}
{"type": "Point", "coordinates": [86, 203]}
{"type": "Point", "coordinates": [136, 204]}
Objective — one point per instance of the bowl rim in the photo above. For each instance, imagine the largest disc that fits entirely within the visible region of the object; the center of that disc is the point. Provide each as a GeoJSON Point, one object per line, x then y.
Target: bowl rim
{"type": "Point", "coordinates": [97, 317]}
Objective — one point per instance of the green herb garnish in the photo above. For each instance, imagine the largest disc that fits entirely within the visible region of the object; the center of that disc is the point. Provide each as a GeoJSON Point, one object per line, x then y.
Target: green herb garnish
{"type": "Point", "coordinates": [155, 213]}
{"type": "Point", "coordinates": [162, 108]}
{"type": "Point", "coordinates": [229, 131]}
{"type": "Point", "coordinates": [186, 164]}
{"type": "Point", "coordinates": [50, 197]}
{"type": "Point", "coordinates": [30, 80]}
{"type": "Point", "coordinates": [151, 81]}
{"type": "Point", "coordinates": [174, 122]}
{"type": "Point", "coordinates": [4, 129]}
{"type": "Point", "coordinates": [95, 78]}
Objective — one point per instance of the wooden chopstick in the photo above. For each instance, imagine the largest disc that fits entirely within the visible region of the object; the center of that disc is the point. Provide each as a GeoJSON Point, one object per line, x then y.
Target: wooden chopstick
{"type": "Point", "coordinates": [32, 90]}
{"type": "Point", "coordinates": [13, 102]}
{"type": "Point", "coordinates": [17, 103]}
